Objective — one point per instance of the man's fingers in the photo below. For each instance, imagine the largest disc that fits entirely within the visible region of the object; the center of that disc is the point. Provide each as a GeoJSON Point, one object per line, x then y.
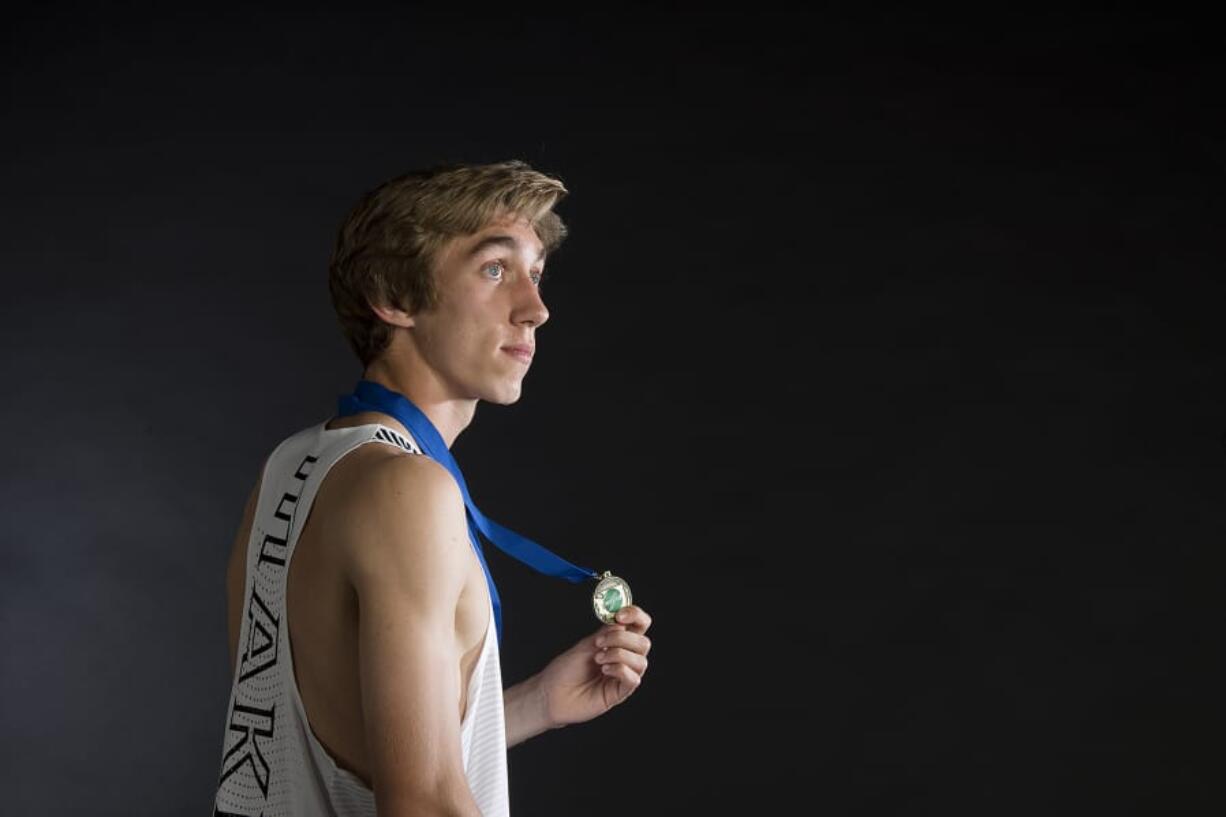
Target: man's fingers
{"type": "Point", "coordinates": [629, 679]}
{"type": "Point", "coordinates": [617, 655]}
{"type": "Point", "coordinates": [635, 618]}
{"type": "Point", "coordinates": [624, 638]}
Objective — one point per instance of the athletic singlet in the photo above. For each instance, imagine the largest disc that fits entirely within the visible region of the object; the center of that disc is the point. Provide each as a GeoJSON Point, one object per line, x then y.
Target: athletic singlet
{"type": "Point", "coordinates": [272, 764]}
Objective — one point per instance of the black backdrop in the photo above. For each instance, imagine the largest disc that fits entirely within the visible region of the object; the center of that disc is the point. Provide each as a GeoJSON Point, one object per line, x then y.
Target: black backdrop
{"type": "Point", "coordinates": [884, 360]}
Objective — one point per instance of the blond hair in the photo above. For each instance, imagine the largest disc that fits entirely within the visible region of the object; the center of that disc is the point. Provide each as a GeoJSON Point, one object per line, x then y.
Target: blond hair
{"type": "Point", "coordinates": [387, 246]}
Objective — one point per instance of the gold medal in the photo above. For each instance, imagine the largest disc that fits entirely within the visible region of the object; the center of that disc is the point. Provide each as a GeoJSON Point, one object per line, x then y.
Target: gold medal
{"type": "Point", "coordinates": [611, 594]}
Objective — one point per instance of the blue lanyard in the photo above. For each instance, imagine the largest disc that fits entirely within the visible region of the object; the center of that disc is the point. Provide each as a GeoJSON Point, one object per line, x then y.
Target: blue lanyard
{"type": "Point", "coordinates": [371, 396]}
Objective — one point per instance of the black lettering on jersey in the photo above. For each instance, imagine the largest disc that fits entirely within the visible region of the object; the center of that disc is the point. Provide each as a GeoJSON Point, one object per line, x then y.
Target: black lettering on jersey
{"type": "Point", "coordinates": [276, 557]}
{"type": "Point", "coordinates": [303, 470]}
{"type": "Point", "coordinates": [280, 512]}
{"type": "Point", "coordinates": [272, 548]}
{"type": "Point", "coordinates": [251, 724]}
{"type": "Point", "coordinates": [263, 634]}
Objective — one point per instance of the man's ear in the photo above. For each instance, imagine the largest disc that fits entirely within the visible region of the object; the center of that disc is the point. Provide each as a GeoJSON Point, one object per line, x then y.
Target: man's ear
{"type": "Point", "coordinates": [391, 315]}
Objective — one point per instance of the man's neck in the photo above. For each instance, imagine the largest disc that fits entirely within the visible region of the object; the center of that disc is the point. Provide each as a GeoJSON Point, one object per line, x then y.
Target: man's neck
{"type": "Point", "coordinates": [450, 415]}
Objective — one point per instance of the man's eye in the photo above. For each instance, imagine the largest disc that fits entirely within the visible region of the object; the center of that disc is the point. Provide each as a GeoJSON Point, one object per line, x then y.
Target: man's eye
{"type": "Point", "coordinates": [496, 266]}
{"type": "Point", "coordinates": [536, 278]}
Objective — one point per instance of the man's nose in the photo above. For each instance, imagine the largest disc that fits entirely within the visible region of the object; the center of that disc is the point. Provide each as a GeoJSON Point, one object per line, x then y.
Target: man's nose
{"type": "Point", "coordinates": [529, 307]}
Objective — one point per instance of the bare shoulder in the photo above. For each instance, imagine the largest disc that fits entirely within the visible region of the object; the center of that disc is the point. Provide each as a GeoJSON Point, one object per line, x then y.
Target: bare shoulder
{"type": "Point", "coordinates": [407, 557]}
{"type": "Point", "coordinates": [401, 518]}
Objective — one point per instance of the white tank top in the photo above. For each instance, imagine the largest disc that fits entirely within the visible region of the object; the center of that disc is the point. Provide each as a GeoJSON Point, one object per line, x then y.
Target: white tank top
{"type": "Point", "coordinates": [272, 764]}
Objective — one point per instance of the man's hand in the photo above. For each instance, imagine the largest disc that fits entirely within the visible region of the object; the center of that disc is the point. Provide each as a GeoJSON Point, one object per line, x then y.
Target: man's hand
{"type": "Point", "coordinates": [599, 672]}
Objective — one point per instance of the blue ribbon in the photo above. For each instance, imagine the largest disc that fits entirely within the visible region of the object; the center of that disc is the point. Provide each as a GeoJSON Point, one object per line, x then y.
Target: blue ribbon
{"type": "Point", "coordinates": [371, 396]}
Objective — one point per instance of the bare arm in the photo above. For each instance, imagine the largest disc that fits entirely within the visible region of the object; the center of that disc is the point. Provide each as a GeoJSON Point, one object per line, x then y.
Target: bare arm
{"type": "Point", "coordinates": [525, 709]}
{"type": "Point", "coordinates": [406, 560]}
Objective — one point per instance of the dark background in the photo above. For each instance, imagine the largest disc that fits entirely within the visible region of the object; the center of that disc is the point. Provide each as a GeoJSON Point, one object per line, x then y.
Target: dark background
{"type": "Point", "coordinates": [885, 361]}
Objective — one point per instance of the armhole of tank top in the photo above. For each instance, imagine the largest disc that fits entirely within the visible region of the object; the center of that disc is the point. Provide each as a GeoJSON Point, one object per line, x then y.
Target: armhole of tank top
{"type": "Point", "coordinates": [335, 770]}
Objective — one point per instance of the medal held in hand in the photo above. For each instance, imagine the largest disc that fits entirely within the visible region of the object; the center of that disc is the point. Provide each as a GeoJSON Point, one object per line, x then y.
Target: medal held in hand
{"type": "Point", "coordinates": [611, 594]}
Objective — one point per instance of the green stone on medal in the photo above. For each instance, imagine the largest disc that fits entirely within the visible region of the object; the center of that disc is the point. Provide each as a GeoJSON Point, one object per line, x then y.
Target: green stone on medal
{"type": "Point", "coordinates": [611, 595]}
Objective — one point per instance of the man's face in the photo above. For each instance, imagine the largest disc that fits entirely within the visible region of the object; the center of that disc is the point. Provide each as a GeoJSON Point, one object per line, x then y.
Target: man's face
{"type": "Point", "coordinates": [480, 337]}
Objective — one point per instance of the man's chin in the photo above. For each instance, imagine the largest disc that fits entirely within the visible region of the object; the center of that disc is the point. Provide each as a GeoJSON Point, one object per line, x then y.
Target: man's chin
{"type": "Point", "coordinates": [504, 397]}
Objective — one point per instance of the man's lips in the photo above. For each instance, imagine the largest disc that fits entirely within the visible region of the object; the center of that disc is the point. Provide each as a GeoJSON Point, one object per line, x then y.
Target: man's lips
{"type": "Point", "coordinates": [519, 352]}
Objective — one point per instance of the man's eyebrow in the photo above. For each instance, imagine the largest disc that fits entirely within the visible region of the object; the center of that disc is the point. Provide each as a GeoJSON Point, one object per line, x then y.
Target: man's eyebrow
{"type": "Point", "coordinates": [510, 242]}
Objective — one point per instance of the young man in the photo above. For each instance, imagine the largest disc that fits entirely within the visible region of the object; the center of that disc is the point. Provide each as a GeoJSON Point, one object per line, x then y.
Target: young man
{"type": "Point", "coordinates": [360, 557]}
